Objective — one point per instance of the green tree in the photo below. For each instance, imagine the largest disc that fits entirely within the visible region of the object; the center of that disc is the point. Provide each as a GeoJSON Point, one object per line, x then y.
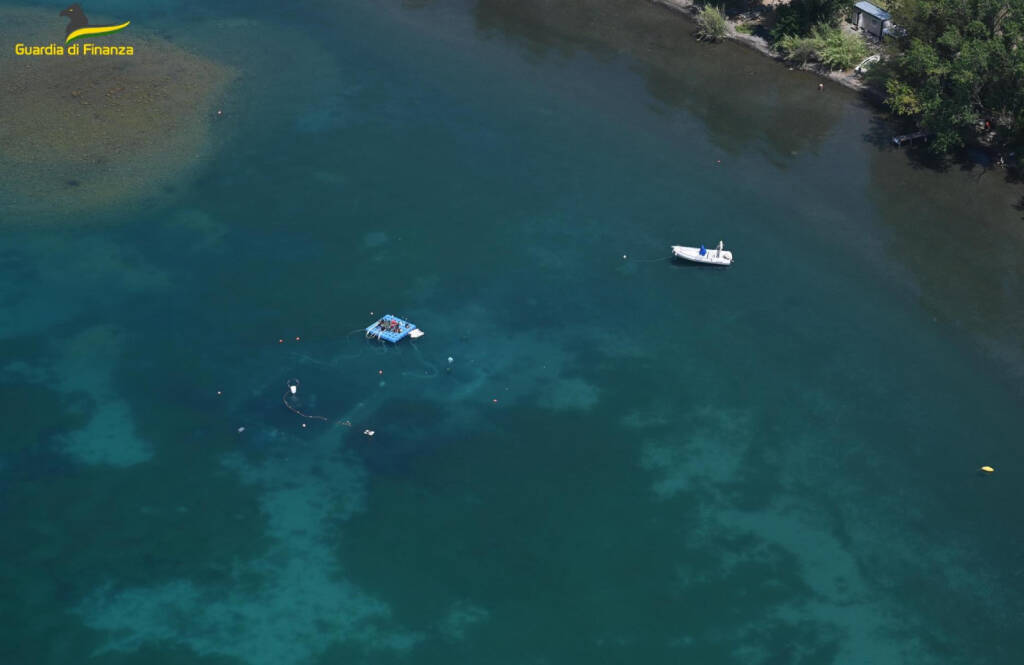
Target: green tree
{"type": "Point", "coordinates": [711, 24]}
{"type": "Point", "coordinates": [798, 49]}
{"type": "Point", "coordinates": [961, 64]}
{"type": "Point", "coordinates": [799, 17]}
{"type": "Point", "coordinates": [842, 49]}
{"type": "Point", "coordinates": [833, 47]}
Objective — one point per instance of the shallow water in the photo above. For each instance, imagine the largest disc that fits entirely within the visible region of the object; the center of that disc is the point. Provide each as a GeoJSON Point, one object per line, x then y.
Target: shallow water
{"type": "Point", "coordinates": [628, 459]}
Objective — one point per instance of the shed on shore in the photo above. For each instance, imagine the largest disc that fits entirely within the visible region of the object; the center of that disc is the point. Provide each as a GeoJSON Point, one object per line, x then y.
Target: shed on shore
{"type": "Point", "coordinates": [871, 19]}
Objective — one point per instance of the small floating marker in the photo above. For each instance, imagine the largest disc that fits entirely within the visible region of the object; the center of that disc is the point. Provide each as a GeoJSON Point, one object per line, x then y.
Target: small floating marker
{"type": "Point", "coordinates": [450, 360]}
{"type": "Point", "coordinates": [218, 392]}
{"type": "Point", "coordinates": [368, 432]}
{"type": "Point", "coordinates": [987, 469]}
{"type": "Point", "coordinates": [293, 388]}
{"type": "Point", "coordinates": [241, 429]}
{"type": "Point", "coordinates": [297, 338]}
{"type": "Point", "coordinates": [495, 400]}
{"type": "Point", "coordinates": [380, 371]}
{"type": "Point", "coordinates": [623, 256]}
{"type": "Point", "coordinates": [280, 341]}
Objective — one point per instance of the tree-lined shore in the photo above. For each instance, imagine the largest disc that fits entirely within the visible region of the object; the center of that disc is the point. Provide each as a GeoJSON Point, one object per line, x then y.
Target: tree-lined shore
{"type": "Point", "coordinates": [953, 69]}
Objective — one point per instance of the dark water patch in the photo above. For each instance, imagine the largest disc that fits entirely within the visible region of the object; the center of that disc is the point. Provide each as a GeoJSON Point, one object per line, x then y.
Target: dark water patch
{"type": "Point", "coordinates": [179, 517]}
{"type": "Point", "coordinates": [149, 542]}
{"type": "Point", "coordinates": [569, 553]}
{"type": "Point", "coordinates": [744, 100]}
{"type": "Point", "coordinates": [37, 414]}
{"type": "Point", "coordinates": [963, 242]}
{"type": "Point", "coordinates": [405, 432]}
{"type": "Point", "coordinates": [165, 654]}
{"type": "Point", "coordinates": [127, 528]}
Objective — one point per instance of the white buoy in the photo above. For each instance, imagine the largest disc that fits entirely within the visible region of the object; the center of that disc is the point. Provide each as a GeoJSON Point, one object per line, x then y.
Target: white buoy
{"type": "Point", "coordinates": [450, 360]}
{"type": "Point", "coordinates": [294, 388]}
{"type": "Point", "coordinates": [241, 429]}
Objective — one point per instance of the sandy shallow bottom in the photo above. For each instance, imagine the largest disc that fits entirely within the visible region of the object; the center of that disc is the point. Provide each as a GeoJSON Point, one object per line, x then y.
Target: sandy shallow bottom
{"type": "Point", "coordinates": [89, 133]}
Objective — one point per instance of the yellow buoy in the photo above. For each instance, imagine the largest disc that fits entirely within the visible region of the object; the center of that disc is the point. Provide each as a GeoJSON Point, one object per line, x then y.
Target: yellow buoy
{"type": "Point", "coordinates": [986, 469]}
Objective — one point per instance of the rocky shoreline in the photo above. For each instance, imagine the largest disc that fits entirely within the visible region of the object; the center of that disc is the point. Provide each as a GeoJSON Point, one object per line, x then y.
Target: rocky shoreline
{"type": "Point", "coordinates": [761, 45]}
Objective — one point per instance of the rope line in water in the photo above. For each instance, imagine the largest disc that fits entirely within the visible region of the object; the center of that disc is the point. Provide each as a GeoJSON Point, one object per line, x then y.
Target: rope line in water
{"type": "Point", "coordinates": [284, 399]}
{"type": "Point", "coordinates": [663, 258]}
{"type": "Point", "coordinates": [432, 370]}
{"type": "Point", "coordinates": [382, 349]}
{"type": "Point", "coordinates": [293, 386]}
{"type": "Point", "coordinates": [348, 341]}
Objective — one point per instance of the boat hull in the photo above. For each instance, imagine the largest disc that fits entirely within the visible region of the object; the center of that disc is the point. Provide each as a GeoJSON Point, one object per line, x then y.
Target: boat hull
{"type": "Point", "coordinates": [711, 257]}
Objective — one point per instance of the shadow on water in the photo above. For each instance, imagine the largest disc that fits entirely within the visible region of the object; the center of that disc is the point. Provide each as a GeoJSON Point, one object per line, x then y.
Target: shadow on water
{"type": "Point", "coordinates": [973, 157]}
{"type": "Point", "coordinates": [744, 100]}
{"type": "Point", "coordinates": [680, 264]}
{"type": "Point", "coordinates": [881, 130]}
{"type": "Point", "coordinates": [958, 231]}
{"type": "Point", "coordinates": [954, 221]}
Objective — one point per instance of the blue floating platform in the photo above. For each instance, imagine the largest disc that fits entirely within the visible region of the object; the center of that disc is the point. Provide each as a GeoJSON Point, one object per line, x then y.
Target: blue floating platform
{"type": "Point", "coordinates": [390, 328]}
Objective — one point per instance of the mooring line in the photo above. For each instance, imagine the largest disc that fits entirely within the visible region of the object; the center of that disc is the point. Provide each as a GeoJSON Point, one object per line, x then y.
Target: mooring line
{"type": "Point", "coordinates": [284, 398]}
{"type": "Point", "coordinates": [663, 258]}
{"type": "Point", "coordinates": [433, 371]}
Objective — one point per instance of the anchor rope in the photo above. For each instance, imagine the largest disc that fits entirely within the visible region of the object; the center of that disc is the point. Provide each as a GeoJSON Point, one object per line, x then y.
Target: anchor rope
{"type": "Point", "coordinates": [433, 371]}
{"type": "Point", "coordinates": [284, 398]}
{"type": "Point", "coordinates": [663, 258]}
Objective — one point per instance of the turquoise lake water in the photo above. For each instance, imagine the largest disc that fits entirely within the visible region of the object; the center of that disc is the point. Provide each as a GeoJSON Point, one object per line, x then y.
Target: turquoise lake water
{"type": "Point", "coordinates": [629, 461]}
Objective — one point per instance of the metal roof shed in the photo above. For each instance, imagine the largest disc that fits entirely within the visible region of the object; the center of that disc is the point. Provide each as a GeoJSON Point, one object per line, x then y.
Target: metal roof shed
{"type": "Point", "coordinates": [871, 19]}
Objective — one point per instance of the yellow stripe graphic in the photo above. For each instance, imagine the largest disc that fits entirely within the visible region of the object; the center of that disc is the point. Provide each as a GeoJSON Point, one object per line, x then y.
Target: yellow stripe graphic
{"type": "Point", "coordinates": [97, 30]}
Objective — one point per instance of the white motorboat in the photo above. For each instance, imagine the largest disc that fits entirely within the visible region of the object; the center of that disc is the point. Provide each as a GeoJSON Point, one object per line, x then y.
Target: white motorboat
{"type": "Point", "coordinates": [716, 257]}
{"type": "Point", "coordinates": [866, 63]}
